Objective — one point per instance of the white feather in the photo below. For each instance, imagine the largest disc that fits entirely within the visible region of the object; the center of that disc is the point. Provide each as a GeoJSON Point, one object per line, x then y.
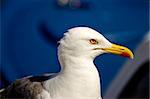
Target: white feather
{"type": "Point", "coordinates": [79, 78]}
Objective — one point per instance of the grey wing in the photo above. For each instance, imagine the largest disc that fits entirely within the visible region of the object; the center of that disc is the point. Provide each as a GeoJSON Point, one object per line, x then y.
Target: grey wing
{"type": "Point", "coordinates": [22, 88]}
{"type": "Point", "coordinates": [27, 88]}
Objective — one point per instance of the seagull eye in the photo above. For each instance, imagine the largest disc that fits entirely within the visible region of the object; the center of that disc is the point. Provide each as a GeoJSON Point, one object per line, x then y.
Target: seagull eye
{"type": "Point", "coordinates": [93, 41]}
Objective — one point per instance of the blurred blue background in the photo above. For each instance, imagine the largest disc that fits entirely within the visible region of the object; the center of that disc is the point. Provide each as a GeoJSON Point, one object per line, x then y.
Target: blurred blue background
{"type": "Point", "coordinates": [30, 30]}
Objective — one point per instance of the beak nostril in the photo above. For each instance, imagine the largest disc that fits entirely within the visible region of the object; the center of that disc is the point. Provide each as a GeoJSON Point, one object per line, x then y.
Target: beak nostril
{"type": "Point", "coordinates": [121, 49]}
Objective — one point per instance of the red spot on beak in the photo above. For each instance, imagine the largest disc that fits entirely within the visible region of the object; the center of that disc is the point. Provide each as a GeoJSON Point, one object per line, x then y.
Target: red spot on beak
{"type": "Point", "coordinates": [125, 54]}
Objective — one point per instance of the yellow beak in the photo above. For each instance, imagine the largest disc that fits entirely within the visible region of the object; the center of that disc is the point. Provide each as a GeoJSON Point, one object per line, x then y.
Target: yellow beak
{"type": "Point", "coordinates": [119, 50]}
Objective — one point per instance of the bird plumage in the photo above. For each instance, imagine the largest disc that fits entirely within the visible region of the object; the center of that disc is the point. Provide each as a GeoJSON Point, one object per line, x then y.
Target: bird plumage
{"type": "Point", "coordinates": [78, 78]}
{"type": "Point", "coordinates": [29, 87]}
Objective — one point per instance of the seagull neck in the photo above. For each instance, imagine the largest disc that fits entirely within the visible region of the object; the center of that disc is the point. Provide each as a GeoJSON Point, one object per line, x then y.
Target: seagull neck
{"type": "Point", "coordinates": [73, 64]}
{"type": "Point", "coordinates": [80, 72]}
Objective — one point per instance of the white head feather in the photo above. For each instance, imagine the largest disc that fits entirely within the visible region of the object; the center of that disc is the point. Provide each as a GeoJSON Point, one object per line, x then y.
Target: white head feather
{"type": "Point", "coordinates": [76, 42]}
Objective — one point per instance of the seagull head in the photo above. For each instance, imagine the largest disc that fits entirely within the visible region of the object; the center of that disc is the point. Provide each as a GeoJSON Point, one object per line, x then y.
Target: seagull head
{"type": "Point", "coordinates": [86, 42]}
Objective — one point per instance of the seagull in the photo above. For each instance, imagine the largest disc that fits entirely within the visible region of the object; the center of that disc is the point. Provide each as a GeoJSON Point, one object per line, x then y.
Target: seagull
{"type": "Point", "coordinates": [78, 77]}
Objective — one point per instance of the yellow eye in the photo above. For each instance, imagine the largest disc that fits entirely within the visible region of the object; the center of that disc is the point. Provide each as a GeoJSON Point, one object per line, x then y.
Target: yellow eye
{"type": "Point", "coordinates": [93, 41]}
